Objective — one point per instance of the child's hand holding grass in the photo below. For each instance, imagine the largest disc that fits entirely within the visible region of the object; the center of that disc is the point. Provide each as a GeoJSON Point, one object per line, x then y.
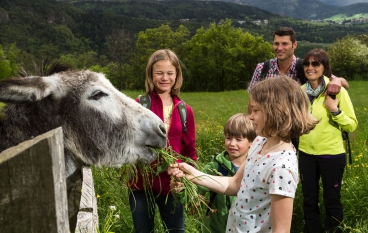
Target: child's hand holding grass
{"type": "Point", "coordinates": [180, 170]}
{"type": "Point", "coordinates": [184, 189]}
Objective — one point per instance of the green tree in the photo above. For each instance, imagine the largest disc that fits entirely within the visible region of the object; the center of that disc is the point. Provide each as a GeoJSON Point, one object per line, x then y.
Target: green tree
{"type": "Point", "coordinates": [151, 40]}
{"type": "Point", "coordinates": [349, 58]}
{"type": "Point", "coordinates": [120, 44]}
{"type": "Point", "coordinates": [81, 61]}
{"type": "Point", "coordinates": [8, 64]}
{"type": "Point", "coordinates": [223, 58]}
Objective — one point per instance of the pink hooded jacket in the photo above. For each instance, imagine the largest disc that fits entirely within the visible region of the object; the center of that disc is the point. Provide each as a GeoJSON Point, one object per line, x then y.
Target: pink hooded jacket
{"type": "Point", "coordinates": [182, 143]}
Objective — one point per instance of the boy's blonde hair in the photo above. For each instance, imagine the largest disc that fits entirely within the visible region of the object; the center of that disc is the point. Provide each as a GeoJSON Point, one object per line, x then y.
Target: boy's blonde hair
{"type": "Point", "coordinates": [240, 126]}
{"type": "Point", "coordinates": [285, 107]}
{"type": "Point", "coordinates": [164, 55]}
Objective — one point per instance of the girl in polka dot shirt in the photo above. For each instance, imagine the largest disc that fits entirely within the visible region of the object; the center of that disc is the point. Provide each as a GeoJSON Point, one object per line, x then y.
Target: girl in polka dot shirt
{"type": "Point", "coordinates": [266, 182]}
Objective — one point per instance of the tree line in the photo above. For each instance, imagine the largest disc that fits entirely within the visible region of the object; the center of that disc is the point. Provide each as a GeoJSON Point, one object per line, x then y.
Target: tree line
{"type": "Point", "coordinates": [218, 58]}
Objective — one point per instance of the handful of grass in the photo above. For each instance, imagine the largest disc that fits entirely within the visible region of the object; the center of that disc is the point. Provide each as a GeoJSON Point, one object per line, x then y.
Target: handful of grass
{"type": "Point", "coordinates": [188, 195]}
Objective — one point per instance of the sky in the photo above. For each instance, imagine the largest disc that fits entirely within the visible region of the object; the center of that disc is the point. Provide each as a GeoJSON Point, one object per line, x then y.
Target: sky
{"type": "Point", "coordinates": [342, 2]}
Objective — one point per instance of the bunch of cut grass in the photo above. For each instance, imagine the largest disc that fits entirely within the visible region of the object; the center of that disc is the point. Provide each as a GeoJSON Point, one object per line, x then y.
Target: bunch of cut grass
{"type": "Point", "coordinates": [147, 172]}
{"type": "Point", "coordinates": [187, 193]}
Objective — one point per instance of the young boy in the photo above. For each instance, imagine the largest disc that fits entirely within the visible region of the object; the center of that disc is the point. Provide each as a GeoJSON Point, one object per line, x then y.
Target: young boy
{"type": "Point", "coordinates": [239, 134]}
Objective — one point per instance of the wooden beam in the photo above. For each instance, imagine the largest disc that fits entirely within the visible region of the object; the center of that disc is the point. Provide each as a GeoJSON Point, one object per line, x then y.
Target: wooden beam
{"type": "Point", "coordinates": [33, 194]}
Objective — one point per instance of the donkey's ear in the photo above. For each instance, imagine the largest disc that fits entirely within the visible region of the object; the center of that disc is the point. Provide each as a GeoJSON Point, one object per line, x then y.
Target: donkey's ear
{"type": "Point", "coordinates": [27, 89]}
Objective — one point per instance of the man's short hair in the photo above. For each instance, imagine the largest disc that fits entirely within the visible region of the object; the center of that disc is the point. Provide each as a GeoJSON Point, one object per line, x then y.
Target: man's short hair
{"type": "Point", "coordinates": [285, 31]}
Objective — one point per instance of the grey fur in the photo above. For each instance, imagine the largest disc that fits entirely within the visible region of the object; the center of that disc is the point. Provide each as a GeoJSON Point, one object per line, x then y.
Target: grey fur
{"type": "Point", "coordinates": [101, 126]}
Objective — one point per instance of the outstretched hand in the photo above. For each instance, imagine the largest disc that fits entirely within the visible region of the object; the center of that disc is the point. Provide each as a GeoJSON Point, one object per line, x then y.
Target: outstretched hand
{"type": "Point", "coordinates": [179, 170]}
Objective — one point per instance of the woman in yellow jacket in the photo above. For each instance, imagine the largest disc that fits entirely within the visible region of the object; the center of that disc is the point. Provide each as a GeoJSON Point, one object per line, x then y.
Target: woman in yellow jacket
{"type": "Point", "coordinates": [321, 152]}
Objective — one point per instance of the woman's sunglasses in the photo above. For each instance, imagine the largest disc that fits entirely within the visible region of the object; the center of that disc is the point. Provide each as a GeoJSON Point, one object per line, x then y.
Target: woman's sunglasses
{"type": "Point", "coordinates": [315, 64]}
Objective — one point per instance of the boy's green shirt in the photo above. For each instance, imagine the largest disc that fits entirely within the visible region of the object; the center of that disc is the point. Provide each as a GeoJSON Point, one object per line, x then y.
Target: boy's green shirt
{"type": "Point", "coordinates": [216, 222]}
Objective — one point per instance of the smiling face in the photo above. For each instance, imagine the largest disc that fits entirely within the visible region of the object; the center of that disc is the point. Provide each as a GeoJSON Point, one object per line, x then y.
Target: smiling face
{"type": "Point", "coordinates": [258, 117]}
{"type": "Point", "coordinates": [163, 76]}
{"type": "Point", "coordinates": [236, 147]}
{"type": "Point", "coordinates": [283, 47]}
{"type": "Point", "coordinates": [313, 70]}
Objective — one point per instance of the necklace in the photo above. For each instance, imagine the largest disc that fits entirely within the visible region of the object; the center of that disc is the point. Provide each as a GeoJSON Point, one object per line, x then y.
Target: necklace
{"type": "Point", "coordinates": [265, 152]}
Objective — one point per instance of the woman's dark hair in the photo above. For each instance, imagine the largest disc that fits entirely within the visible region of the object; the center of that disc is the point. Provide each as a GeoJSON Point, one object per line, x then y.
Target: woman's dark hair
{"type": "Point", "coordinates": [321, 56]}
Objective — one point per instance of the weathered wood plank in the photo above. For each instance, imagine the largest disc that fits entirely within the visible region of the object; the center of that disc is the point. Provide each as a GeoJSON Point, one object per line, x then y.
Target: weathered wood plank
{"type": "Point", "coordinates": [33, 187]}
{"type": "Point", "coordinates": [87, 216]}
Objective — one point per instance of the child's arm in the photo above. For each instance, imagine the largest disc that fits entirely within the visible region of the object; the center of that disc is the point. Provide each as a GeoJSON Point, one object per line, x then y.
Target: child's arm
{"type": "Point", "coordinates": [220, 184]}
{"type": "Point", "coordinates": [281, 213]}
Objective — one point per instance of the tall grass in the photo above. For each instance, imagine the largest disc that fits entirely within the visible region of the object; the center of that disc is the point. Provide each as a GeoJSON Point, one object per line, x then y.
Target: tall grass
{"type": "Point", "coordinates": [211, 112]}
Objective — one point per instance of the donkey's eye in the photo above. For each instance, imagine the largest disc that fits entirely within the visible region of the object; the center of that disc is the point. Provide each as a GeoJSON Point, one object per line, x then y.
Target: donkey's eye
{"type": "Point", "coordinates": [97, 95]}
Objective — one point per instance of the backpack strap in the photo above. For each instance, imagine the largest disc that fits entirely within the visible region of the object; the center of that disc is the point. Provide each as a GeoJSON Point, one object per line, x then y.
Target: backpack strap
{"type": "Point", "coordinates": [300, 71]}
{"type": "Point", "coordinates": [145, 101]}
{"type": "Point", "coordinates": [345, 137]}
{"type": "Point", "coordinates": [265, 68]}
{"type": "Point", "coordinates": [298, 67]}
{"type": "Point", "coordinates": [183, 115]}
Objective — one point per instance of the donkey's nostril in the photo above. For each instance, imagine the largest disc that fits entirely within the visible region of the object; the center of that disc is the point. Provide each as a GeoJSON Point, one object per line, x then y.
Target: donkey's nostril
{"type": "Point", "coordinates": [162, 128]}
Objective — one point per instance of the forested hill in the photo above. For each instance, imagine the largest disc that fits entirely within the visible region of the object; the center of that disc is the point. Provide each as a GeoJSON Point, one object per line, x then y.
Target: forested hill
{"type": "Point", "coordinates": [45, 29]}
{"type": "Point", "coordinates": [304, 9]}
{"type": "Point", "coordinates": [301, 9]}
{"type": "Point", "coordinates": [199, 11]}
{"type": "Point", "coordinates": [53, 25]}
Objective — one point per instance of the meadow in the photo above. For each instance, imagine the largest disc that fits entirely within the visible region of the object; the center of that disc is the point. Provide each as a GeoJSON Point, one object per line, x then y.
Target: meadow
{"type": "Point", "coordinates": [211, 112]}
{"type": "Point", "coordinates": [344, 17]}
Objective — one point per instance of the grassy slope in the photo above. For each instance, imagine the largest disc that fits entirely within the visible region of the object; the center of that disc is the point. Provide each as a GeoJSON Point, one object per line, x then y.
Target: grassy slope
{"type": "Point", "coordinates": [342, 17]}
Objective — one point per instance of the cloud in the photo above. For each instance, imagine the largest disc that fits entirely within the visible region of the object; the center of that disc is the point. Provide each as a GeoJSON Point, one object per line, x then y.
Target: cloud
{"type": "Point", "coordinates": [343, 2]}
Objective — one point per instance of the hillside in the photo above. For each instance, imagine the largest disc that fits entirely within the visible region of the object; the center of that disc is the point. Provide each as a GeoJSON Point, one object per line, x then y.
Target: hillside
{"type": "Point", "coordinates": [46, 29]}
{"type": "Point", "coordinates": [202, 13]}
{"type": "Point", "coordinates": [303, 9]}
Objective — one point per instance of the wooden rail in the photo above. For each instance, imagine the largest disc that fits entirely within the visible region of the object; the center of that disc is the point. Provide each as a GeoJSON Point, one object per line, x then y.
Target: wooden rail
{"type": "Point", "coordinates": [33, 195]}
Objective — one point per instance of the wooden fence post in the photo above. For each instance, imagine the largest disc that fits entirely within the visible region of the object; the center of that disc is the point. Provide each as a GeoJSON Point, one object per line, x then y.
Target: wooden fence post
{"type": "Point", "coordinates": [87, 216]}
{"type": "Point", "coordinates": [33, 194]}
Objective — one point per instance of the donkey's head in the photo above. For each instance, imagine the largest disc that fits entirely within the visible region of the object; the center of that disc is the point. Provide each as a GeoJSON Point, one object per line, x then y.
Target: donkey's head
{"type": "Point", "coordinates": [101, 125]}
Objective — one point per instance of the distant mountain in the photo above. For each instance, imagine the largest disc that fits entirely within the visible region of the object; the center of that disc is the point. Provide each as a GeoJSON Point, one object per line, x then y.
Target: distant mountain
{"type": "Point", "coordinates": [50, 28]}
{"type": "Point", "coordinates": [303, 9]}
{"type": "Point", "coordinates": [343, 2]}
{"type": "Point", "coordinates": [300, 9]}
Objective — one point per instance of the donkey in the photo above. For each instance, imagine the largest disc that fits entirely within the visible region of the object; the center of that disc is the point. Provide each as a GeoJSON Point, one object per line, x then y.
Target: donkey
{"type": "Point", "coordinates": [101, 125]}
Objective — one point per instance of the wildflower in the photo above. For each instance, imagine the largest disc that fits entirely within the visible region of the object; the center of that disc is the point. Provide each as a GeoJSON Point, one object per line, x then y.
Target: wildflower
{"type": "Point", "coordinates": [112, 207]}
{"type": "Point", "coordinates": [117, 216]}
{"type": "Point", "coordinates": [98, 196]}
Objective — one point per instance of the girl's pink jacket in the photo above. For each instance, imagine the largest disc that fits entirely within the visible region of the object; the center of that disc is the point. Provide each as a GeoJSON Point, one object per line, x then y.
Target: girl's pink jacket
{"type": "Point", "coordinates": [182, 143]}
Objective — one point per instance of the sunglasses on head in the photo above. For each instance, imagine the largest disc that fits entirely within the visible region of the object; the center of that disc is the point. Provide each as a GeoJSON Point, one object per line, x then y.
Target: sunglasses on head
{"type": "Point", "coordinates": [315, 64]}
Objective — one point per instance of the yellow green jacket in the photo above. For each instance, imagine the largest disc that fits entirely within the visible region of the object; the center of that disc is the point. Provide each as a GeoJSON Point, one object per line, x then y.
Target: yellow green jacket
{"type": "Point", "coordinates": [326, 138]}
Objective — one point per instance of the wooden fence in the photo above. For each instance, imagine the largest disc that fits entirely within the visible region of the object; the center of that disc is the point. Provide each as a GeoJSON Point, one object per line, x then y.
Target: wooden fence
{"type": "Point", "coordinates": [33, 194]}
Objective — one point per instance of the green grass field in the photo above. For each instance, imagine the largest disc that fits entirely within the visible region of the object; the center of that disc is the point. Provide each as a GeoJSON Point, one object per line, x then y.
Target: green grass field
{"type": "Point", "coordinates": [342, 17]}
{"type": "Point", "coordinates": [211, 112]}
